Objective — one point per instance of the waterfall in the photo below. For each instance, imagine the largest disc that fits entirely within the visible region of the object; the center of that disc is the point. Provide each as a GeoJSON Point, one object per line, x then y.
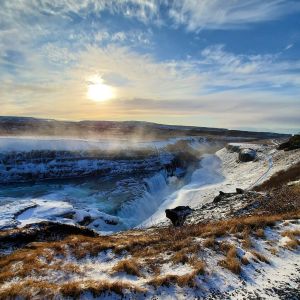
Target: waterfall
{"type": "Point", "coordinates": [138, 210]}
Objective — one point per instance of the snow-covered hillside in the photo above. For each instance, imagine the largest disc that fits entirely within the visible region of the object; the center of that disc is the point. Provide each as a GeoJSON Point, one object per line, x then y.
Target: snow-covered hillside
{"type": "Point", "coordinates": [222, 171]}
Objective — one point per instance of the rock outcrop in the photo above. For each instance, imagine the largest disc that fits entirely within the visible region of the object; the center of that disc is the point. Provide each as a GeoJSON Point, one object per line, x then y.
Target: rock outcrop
{"type": "Point", "coordinates": [40, 232]}
{"type": "Point", "coordinates": [223, 195]}
{"type": "Point", "coordinates": [246, 155]}
{"type": "Point", "coordinates": [292, 144]}
{"type": "Point", "coordinates": [178, 215]}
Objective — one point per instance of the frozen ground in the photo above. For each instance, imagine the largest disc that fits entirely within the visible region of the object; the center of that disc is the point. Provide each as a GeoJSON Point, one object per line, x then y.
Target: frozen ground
{"type": "Point", "coordinates": [223, 172]}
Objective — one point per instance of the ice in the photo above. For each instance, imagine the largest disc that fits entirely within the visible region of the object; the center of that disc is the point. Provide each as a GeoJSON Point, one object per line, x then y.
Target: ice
{"type": "Point", "coordinates": [45, 210]}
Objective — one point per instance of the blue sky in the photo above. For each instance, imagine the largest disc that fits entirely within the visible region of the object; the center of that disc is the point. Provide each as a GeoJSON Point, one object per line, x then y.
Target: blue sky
{"type": "Point", "coordinates": [233, 64]}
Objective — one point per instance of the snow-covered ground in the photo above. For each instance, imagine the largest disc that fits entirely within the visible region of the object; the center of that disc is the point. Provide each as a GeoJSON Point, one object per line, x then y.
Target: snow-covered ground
{"type": "Point", "coordinates": [223, 172]}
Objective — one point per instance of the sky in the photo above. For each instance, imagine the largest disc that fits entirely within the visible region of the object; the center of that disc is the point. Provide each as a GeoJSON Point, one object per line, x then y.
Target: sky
{"type": "Point", "coordinates": [215, 63]}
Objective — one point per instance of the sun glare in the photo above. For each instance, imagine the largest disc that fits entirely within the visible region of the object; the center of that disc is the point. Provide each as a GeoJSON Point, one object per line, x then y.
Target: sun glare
{"type": "Point", "coordinates": [98, 91]}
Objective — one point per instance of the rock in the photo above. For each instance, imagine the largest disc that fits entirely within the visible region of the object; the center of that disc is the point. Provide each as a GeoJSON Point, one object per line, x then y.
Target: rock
{"type": "Point", "coordinates": [178, 214]}
{"type": "Point", "coordinates": [85, 221]}
{"type": "Point", "coordinates": [292, 144]}
{"type": "Point", "coordinates": [223, 195]}
{"type": "Point", "coordinates": [240, 191]}
{"type": "Point", "coordinates": [246, 155]}
{"type": "Point", "coordinates": [233, 148]}
{"type": "Point", "coordinates": [40, 232]}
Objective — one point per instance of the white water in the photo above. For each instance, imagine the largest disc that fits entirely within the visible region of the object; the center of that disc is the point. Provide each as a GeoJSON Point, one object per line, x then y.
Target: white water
{"type": "Point", "coordinates": [140, 209]}
{"type": "Point", "coordinates": [207, 174]}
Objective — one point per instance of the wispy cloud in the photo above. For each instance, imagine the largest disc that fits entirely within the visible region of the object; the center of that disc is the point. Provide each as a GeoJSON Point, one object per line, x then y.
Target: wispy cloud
{"type": "Point", "coordinates": [289, 46]}
{"type": "Point", "coordinates": [219, 14]}
{"type": "Point", "coordinates": [49, 49]}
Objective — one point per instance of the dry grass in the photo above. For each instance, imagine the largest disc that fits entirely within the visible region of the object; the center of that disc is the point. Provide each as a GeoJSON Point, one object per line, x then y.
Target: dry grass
{"type": "Point", "coordinates": [197, 265]}
{"type": "Point", "coordinates": [97, 288]}
{"type": "Point", "coordinates": [293, 243]}
{"type": "Point", "coordinates": [245, 261]}
{"type": "Point", "coordinates": [246, 242]}
{"type": "Point", "coordinates": [273, 251]}
{"type": "Point", "coordinates": [209, 242]}
{"type": "Point", "coordinates": [291, 233]}
{"type": "Point", "coordinates": [231, 262]}
{"type": "Point", "coordinates": [168, 280]}
{"type": "Point", "coordinates": [128, 266]}
{"type": "Point", "coordinates": [280, 178]}
{"type": "Point", "coordinates": [260, 233]}
{"type": "Point", "coordinates": [153, 266]}
{"type": "Point", "coordinates": [25, 290]}
{"type": "Point", "coordinates": [150, 247]}
{"type": "Point", "coordinates": [180, 257]}
{"type": "Point", "coordinates": [260, 256]}
{"type": "Point", "coordinates": [46, 290]}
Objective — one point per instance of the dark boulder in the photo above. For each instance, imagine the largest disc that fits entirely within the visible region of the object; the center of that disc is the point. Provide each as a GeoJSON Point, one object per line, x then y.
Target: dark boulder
{"type": "Point", "coordinates": [178, 215]}
{"type": "Point", "coordinates": [240, 191]}
{"type": "Point", "coordinates": [292, 144]}
{"type": "Point", "coordinates": [40, 232]}
{"type": "Point", "coordinates": [246, 155]}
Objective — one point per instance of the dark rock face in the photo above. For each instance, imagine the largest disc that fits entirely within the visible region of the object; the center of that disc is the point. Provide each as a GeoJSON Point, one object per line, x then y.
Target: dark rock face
{"type": "Point", "coordinates": [240, 191]}
{"type": "Point", "coordinates": [178, 214]}
{"type": "Point", "coordinates": [44, 231]}
{"type": "Point", "coordinates": [246, 155]}
{"type": "Point", "coordinates": [292, 144]}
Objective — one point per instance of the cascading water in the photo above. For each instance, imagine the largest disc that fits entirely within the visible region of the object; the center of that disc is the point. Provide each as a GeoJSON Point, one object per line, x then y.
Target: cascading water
{"type": "Point", "coordinates": [138, 210]}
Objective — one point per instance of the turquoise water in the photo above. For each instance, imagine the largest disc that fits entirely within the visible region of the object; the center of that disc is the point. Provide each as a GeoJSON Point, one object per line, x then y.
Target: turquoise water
{"type": "Point", "coordinates": [107, 194]}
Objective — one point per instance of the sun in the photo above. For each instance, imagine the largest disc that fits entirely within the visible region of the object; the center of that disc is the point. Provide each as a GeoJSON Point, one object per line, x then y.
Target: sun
{"type": "Point", "coordinates": [98, 91]}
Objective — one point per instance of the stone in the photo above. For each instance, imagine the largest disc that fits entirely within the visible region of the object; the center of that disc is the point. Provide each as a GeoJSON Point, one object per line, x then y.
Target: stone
{"type": "Point", "coordinates": [246, 155]}
{"type": "Point", "coordinates": [240, 191]}
{"type": "Point", "coordinates": [178, 215]}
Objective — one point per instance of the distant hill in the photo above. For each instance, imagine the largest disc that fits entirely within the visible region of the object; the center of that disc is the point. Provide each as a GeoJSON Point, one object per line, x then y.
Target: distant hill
{"type": "Point", "coordinates": [95, 129]}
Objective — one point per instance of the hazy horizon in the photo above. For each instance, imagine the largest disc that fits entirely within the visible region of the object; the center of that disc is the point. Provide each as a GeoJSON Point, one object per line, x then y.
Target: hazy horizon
{"type": "Point", "coordinates": [276, 130]}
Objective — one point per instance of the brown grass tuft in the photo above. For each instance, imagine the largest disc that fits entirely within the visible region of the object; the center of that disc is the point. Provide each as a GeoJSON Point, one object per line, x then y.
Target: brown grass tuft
{"type": "Point", "coordinates": [209, 242]}
{"type": "Point", "coordinates": [179, 257]}
{"type": "Point", "coordinates": [168, 280]}
{"type": "Point", "coordinates": [97, 288]}
{"type": "Point", "coordinates": [292, 244]}
{"type": "Point", "coordinates": [231, 262]}
{"type": "Point", "coordinates": [128, 266]}
{"type": "Point", "coordinates": [291, 233]}
{"type": "Point", "coordinates": [273, 251]}
{"type": "Point", "coordinates": [260, 256]}
{"type": "Point", "coordinates": [260, 233]}
{"type": "Point", "coordinates": [245, 261]}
